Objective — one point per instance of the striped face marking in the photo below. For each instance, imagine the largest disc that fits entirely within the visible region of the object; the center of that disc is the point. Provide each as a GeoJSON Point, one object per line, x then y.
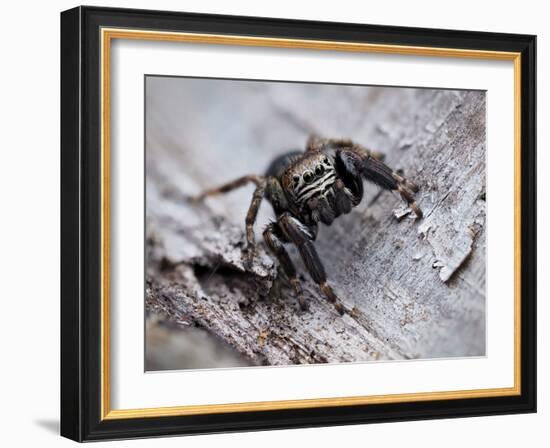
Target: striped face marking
{"type": "Point", "coordinates": [315, 180]}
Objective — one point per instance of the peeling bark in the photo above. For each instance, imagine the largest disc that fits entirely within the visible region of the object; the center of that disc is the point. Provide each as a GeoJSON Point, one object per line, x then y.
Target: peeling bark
{"type": "Point", "coordinates": [416, 288]}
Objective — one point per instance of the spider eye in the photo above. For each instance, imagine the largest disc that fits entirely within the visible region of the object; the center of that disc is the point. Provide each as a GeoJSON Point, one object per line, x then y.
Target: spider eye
{"type": "Point", "coordinates": [325, 160]}
{"type": "Point", "coordinates": [308, 177]}
{"type": "Point", "coordinates": [319, 170]}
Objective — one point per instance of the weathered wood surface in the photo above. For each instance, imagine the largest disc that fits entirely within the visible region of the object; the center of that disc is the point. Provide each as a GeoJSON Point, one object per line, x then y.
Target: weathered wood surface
{"type": "Point", "coordinates": [416, 288]}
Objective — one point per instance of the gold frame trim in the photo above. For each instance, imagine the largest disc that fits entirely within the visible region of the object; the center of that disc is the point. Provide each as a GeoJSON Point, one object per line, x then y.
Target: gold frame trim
{"type": "Point", "coordinates": [107, 35]}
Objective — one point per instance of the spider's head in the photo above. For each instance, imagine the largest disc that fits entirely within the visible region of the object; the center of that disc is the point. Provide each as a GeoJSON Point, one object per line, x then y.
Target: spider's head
{"type": "Point", "coordinates": [309, 176]}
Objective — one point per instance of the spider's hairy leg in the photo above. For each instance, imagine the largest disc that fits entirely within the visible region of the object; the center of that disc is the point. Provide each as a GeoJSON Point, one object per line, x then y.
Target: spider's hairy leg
{"type": "Point", "coordinates": [250, 219]}
{"type": "Point", "coordinates": [359, 161]}
{"type": "Point", "coordinates": [303, 237]}
{"type": "Point", "coordinates": [252, 213]}
{"type": "Point", "coordinates": [379, 173]}
{"type": "Point", "coordinates": [230, 186]}
{"type": "Point", "coordinates": [316, 143]}
{"type": "Point", "coordinates": [273, 240]}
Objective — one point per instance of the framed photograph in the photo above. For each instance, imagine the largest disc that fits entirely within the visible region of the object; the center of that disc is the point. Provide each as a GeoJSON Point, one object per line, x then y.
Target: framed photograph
{"type": "Point", "coordinates": [276, 224]}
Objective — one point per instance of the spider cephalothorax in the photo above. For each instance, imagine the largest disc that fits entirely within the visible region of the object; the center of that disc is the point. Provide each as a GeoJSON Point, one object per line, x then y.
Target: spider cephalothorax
{"type": "Point", "coordinates": [309, 187]}
{"type": "Point", "coordinates": [315, 189]}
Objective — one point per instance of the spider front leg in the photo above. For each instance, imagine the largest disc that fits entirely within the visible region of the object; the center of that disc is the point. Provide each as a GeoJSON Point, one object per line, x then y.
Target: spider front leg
{"type": "Point", "coordinates": [250, 219]}
{"type": "Point", "coordinates": [359, 161]}
{"type": "Point", "coordinates": [273, 239]}
{"type": "Point", "coordinates": [302, 236]}
{"type": "Point", "coordinates": [252, 213]}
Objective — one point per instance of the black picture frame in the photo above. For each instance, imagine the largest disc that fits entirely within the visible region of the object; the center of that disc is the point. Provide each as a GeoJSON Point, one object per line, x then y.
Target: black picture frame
{"type": "Point", "coordinates": [81, 224]}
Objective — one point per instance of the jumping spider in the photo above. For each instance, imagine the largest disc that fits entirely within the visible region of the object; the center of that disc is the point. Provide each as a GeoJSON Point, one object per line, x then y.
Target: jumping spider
{"type": "Point", "coordinates": [309, 187]}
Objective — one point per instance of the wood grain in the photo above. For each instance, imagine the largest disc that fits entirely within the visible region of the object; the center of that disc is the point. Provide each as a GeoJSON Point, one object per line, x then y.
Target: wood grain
{"type": "Point", "coordinates": [417, 288]}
